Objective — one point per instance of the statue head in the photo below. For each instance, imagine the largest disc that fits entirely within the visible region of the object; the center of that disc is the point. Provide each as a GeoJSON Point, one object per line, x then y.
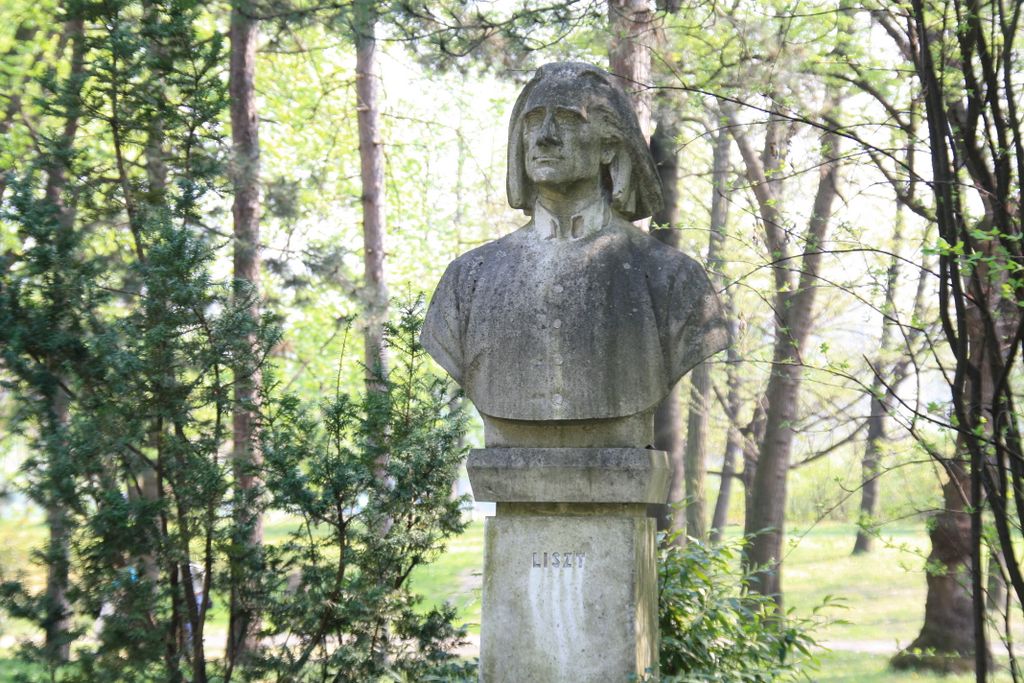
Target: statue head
{"type": "Point", "coordinates": [581, 101]}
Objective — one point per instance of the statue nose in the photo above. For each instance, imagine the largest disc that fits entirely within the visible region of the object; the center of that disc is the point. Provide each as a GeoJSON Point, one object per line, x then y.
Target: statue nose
{"type": "Point", "coordinates": [549, 134]}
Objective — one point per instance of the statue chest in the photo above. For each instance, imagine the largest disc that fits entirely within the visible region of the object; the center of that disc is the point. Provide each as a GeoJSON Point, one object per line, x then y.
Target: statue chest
{"type": "Point", "coordinates": [563, 331]}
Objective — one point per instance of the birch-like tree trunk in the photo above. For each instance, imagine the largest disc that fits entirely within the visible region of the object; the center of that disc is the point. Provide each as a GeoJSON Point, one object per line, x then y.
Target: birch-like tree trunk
{"type": "Point", "coordinates": [695, 454]}
{"type": "Point", "coordinates": [371, 174]}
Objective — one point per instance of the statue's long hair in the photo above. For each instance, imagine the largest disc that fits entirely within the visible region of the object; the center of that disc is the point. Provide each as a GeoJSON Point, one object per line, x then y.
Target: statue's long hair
{"type": "Point", "coordinates": [631, 179]}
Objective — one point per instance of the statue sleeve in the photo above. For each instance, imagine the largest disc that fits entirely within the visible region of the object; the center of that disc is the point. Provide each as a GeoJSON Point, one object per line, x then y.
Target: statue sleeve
{"type": "Point", "coordinates": [697, 326]}
{"type": "Point", "coordinates": [442, 327]}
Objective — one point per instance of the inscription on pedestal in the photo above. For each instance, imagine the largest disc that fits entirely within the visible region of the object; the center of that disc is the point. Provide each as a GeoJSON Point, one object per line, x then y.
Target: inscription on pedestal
{"type": "Point", "coordinates": [565, 560]}
{"type": "Point", "coordinates": [568, 598]}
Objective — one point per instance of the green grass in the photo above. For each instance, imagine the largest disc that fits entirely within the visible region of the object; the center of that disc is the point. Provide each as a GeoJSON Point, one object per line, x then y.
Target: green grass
{"type": "Point", "coordinates": [856, 667]}
{"type": "Point", "coordinates": [455, 577]}
{"type": "Point", "coordinates": [884, 590]}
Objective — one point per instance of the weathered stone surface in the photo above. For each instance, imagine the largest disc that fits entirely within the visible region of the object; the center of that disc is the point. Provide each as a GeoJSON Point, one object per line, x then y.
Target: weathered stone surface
{"type": "Point", "coordinates": [619, 432]}
{"type": "Point", "coordinates": [595, 328]}
{"type": "Point", "coordinates": [564, 330]}
{"type": "Point", "coordinates": [591, 618]}
{"type": "Point", "coordinates": [566, 334]}
{"type": "Point", "coordinates": [569, 475]}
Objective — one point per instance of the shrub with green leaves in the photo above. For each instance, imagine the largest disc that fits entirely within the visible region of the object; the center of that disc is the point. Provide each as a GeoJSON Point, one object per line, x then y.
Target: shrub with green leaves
{"type": "Point", "coordinates": [369, 477]}
{"type": "Point", "coordinates": [712, 629]}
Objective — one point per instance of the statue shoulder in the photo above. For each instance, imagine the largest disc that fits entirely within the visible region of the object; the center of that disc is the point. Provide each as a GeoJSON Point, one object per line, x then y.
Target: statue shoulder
{"type": "Point", "coordinates": [667, 265]}
{"type": "Point", "coordinates": [445, 323]}
{"type": "Point", "coordinates": [478, 257]}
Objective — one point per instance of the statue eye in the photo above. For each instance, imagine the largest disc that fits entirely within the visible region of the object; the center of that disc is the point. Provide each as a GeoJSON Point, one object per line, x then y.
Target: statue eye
{"type": "Point", "coordinates": [534, 118]}
{"type": "Point", "coordinates": [569, 117]}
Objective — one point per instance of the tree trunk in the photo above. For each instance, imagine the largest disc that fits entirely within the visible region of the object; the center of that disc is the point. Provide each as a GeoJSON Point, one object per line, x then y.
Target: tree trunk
{"type": "Point", "coordinates": [869, 475]}
{"type": "Point", "coordinates": [720, 517]}
{"type": "Point", "coordinates": [371, 173]}
{"type": "Point", "coordinates": [995, 584]}
{"type": "Point", "coordinates": [979, 309]}
{"type": "Point", "coordinates": [632, 32]}
{"type": "Point", "coordinates": [631, 25]}
{"type": "Point", "coordinates": [765, 487]}
{"type": "Point", "coordinates": [794, 307]}
{"type": "Point", "coordinates": [952, 637]}
{"type": "Point", "coordinates": [752, 436]}
{"type": "Point", "coordinates": [668, 435]}
{"type": "Point", "coordinates": [766, 517]}
{"type": "Point", "coordinates": [695, 455]}
{"type": "Point", "coordinates": [946, 641]}
{"type": "Point", "coordinates": [887, 378]}
{"type": "Point", "coordinates": [58, 607]}
{"type": "Point", "coordinates": [734, 439]}
{"type": "Point", "coordinates": [58, 557]}
{"type": "Point", "coordinates": [247, 458]}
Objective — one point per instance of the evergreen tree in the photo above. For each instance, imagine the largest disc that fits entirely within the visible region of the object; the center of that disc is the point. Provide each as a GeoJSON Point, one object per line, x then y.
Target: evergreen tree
{"type": "Point", "coordinates": [342, 594]}
{"type": "Point", "coordinates": [128, 334]}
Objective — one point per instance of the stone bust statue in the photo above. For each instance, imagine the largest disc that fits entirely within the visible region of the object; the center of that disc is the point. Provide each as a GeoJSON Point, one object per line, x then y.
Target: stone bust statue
{"type": "Point", "coordinates": [569, 331]}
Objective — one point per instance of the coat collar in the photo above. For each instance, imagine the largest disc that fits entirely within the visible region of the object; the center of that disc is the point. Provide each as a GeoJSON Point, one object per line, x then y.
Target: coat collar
{"type": "Point", "coordinates": [593, 218]}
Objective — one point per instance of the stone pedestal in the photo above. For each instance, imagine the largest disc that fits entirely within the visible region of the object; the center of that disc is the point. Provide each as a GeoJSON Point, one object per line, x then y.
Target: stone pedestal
{"type": "Point", "coordinates": [570, 579]}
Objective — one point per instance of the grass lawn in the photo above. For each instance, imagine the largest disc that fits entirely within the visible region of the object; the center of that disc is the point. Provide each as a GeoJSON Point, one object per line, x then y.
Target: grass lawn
{"type": "Point", "coordinates": [455, 576]}
{"type": "Point", "coordinates": [857, 667]}
{"type": "Point", "coordinates": [883, 592]}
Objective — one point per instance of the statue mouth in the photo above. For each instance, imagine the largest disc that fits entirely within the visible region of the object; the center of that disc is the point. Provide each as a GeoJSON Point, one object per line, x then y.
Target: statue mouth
{"type": "Point", "coordinates": [547, 159]}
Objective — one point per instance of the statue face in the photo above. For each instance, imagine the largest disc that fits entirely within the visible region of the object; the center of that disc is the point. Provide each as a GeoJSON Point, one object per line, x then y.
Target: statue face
{"type": "Point", "coordinates": [562, 147]}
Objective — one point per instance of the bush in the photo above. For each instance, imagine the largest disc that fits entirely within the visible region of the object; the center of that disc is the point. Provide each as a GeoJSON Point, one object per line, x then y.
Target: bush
{"type": "Point", "coordinates": [369, 478]}
{"type": "Point", "coordinates": [712, 629]}
{"type": "Point", "coordinates": [366, 477]}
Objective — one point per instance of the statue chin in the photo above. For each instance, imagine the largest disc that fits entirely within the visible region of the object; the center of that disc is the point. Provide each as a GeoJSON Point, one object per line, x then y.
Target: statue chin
{"type": "Point", "coordinates": [621, 432]}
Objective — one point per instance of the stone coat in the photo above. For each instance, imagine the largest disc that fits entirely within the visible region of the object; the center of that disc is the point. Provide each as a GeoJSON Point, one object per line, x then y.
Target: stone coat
{"type": "Point", "coordinates": [536, 327]}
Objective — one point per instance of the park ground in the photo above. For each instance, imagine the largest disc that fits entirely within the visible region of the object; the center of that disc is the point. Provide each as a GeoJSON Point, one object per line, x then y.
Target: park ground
{"type": "Point", "coordinates": [882, 593]}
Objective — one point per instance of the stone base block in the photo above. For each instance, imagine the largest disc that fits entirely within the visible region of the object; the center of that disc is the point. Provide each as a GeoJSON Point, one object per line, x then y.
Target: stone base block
{"type": "Point", "coordinates": [569, 475]}
{"type": "Point", "coordinates": [568, 597]}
